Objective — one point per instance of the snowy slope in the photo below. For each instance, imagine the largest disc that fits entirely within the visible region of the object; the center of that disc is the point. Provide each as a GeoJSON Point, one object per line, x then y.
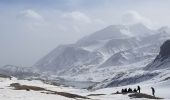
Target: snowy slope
{"type": "Point", "coordinates": [105, 53]}
{"type": "Point", "coordinates": [17, 71]}
{"type": "Point", "coordinates": [8, 93]}
{"type": "Point", "coordinates": [161, 90]}
{"type": "Point", "coordinates": [158, 70]}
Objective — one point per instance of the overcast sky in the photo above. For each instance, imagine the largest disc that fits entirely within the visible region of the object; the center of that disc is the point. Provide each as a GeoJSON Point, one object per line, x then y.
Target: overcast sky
{"type": "Point", "coordinates": [29, 29]}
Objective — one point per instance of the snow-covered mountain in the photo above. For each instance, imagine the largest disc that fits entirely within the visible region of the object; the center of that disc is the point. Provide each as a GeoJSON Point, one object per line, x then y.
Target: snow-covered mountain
{"type": "Point", "coordinates": [17, 71]}
{"type": "Point", "coordinates": [108, 53]}
{"type": "Point", "coordinates": [157, 71]}
{"type": "Point", "coordinates": [114, 56]}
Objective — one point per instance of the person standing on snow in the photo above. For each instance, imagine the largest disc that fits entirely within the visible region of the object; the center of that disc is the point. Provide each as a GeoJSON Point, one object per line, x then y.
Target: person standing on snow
{"type": "Point", "coordinates": [153, 91]}
{"type": "Point", "coordinates": [138, 88]}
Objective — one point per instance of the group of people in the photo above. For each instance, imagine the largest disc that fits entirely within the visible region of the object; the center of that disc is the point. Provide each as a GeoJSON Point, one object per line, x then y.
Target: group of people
{"type": "Point", "coordinates": [130, 90]}
{"type": "Point", "coordinates": [135, 90]}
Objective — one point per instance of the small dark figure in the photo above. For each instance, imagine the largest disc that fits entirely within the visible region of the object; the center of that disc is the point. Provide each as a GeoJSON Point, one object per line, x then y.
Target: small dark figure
{"type": "Point", "coordinates": [138, 89]}
{"type": "Point", "coordinates": [153, 91]}
{"type": "Point", "coordinates": [27, 89]}
{"type": "Point", "coordinates": [135, 90]}
{"type": "Point", "coordinates": [129, 90]}
{"type": "Point", "coordinates": [125, 90]}
{"type": "Point", "coordinates": [117, 92]}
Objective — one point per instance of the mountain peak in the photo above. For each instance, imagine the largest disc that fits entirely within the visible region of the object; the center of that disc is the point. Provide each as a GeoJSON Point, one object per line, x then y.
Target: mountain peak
{"type": "Point", "coordinates": [117, 32]}
{"type": "Point", "coordinates": [110, 32]}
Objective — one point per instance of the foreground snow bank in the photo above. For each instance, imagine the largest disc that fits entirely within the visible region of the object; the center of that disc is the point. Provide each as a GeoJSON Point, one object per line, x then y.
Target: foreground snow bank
{"type": "Point", "coordinates": [7, 93]}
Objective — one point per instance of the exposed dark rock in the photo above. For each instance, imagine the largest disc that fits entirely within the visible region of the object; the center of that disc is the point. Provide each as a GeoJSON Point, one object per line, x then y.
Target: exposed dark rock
{"type": "Point", "coordinates": [17, 86]}
{"type": "Point", "coordinates": [132, 80]}
{"type": "Point", "coordinates": [95, 94]}
{"type": "Point", "coordinates": [142, 95]}
{"type": "Point", "coordinates": [162, 61]}
{"type": "Point", "coordinates": [165, 49]}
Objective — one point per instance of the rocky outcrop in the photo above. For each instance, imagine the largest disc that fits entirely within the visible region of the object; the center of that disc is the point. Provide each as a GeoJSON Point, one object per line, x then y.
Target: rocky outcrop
{"type": "Point", "coordinates": [162, 61]}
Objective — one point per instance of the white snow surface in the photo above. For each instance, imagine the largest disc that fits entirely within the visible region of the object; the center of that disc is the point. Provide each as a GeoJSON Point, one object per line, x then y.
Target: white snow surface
{"type": "Point", "coordinates": [7, 93]}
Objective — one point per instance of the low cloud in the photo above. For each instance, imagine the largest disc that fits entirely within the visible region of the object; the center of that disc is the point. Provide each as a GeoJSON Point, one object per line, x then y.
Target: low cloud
{"type": "Point", "coordinates": [79, 22]}
{"type": "Point", "coordinates": [30, 19]}
{"type": "Point", "coordinates": [30, 14]}
{"type": "Point", "coordinates": [77, 16]}
{"type": "Point", "coordinates": [133, 17]}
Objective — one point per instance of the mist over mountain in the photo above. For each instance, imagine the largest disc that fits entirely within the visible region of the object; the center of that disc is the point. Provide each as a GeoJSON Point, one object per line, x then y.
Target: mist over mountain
{"type": "Point", "coordinates": [105, 54]}
{"type": "Point", "coordinates": [84, 49]}
{"type": "Point", "coordinates": [117, 55]}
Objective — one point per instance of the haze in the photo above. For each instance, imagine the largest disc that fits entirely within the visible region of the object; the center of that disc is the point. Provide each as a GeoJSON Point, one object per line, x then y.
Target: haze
{"type": "Point", "coordinates": [29, 29]}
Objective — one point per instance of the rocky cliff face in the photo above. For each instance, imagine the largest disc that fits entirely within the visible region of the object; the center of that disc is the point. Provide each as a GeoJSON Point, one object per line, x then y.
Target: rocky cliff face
{"type": "Point", "coordinates": [162, 61]}
{"type": "Point", "coordinates": [165, 50]}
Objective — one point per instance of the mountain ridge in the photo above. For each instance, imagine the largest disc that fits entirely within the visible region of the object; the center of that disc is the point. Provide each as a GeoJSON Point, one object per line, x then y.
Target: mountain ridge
{"type": "Point", "coordinates": [102, 59]}
{"type": "Point", "coordinates": [96, 51]}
